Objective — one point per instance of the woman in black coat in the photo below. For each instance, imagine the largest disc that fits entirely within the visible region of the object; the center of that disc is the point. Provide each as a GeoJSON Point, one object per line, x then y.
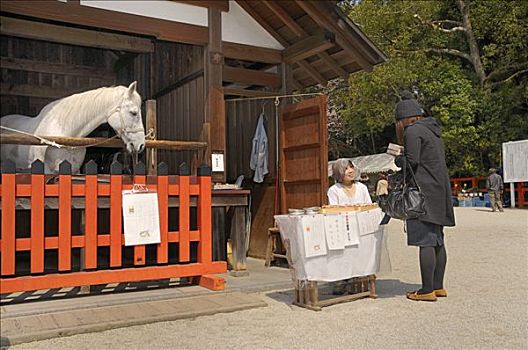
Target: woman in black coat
{"type": "Point", "coordinates": [424, 152]}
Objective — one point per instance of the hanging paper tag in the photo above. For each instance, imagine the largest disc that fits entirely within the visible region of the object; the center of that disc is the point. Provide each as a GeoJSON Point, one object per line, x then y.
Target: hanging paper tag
{"type": "Point", "coordinates": [141, 218]}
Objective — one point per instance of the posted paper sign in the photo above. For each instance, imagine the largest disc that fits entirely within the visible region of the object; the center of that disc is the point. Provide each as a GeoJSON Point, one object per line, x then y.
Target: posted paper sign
{"type": "Point", "coordinates": [141, 218]}
{"type": "Point", "coordinates": [334, 231]}
{"type": "Point", "coordinates": [368, 221]}
{"type": "Point", "coordinates": [313, 235]}
{"type": "Point", "coordinates": [217, 163]}
{"type": "Point", "coordinates": [351, 228]}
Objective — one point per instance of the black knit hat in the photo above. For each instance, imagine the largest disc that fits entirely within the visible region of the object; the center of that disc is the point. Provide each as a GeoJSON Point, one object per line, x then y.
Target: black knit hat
{"type": "Point", "coordinates": [408, 106]}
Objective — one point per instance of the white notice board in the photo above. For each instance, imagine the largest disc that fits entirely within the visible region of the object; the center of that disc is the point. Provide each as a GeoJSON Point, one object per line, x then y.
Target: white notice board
{"type": "Point", "coordinates": [515, 161]}
{"type": "Point", "coordinates": [141, 218]}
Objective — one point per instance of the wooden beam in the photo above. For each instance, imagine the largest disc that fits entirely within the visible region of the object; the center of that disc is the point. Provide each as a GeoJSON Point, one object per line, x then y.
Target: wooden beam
{"type": "Point", "coordinates": [299, 32]}
{"type": "Point", "coordinates": [73, 12]}
{"type": "Point", "coordinates": [334, 65]}
{"type": "Point", "coordinates": [251, 77]}
{"type": "Point", "coordinates": [295, 85]}
{"type": "Point", "coordinates": [56, 68]}
{"type": "Point", "coordinates": [187, 79]}
{"type": "Point", "coordinates": [336, 16]}
{"type": "Point", "coordinates": [221, 5]}
{"type": "Point", "coordinates": [20, 139]}
{"type": "Point", "coordinates": [251, 11]}
{"type": "Point", "coordinates": [312, 72]}
{"type": "Point", "coordinates": [257, 17]}
{"type": "Point", "coordinates": [252, 53]}
{"type": "Point", "coordinates": [319, 18]}
{"type": "Point", "coordinates": [44, 91]}
{"type": "Point", "coordinates": [248, 93]}
{"type": "Point", "coordinates": [309, 46]}
{"type": "Point", "coordinates": [73, 36]}
{"type": "Point", "coordinates": [285, 17]}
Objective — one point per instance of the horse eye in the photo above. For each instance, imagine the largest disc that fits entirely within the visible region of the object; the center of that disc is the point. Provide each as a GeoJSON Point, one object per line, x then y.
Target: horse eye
{"type": "Point", "coordinates": [134, 113]}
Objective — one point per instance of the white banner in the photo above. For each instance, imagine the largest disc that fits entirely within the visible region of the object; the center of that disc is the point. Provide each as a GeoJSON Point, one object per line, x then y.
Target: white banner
{"type": "Point", "coordinates": [141, 218]}
{"type": "Point", "coordinates": [515, 161]}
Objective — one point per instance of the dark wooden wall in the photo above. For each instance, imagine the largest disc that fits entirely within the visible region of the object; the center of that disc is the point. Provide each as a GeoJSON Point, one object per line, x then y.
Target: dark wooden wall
{"type": "Point", "coordinates": [178, 83]}
{"type": "Point", "coordinates": [241, 123]}
{"type": "Point", "coordinates": [35, 73]}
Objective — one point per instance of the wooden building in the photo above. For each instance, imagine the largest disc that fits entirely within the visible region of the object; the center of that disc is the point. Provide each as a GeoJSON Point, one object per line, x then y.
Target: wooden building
{"type": "Point", "coordinates": [192, 57]}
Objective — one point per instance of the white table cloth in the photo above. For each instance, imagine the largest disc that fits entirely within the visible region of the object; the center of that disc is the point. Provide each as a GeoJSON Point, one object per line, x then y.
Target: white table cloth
{"type": "Point", "coordinates": [335, 264]}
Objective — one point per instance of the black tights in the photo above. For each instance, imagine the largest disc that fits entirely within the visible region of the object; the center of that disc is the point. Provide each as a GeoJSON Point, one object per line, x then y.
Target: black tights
{"type": "Point", "coordinates": [432, 266]}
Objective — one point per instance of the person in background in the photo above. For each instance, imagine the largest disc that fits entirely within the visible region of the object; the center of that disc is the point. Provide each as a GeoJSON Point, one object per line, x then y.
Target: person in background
{"type": "Point", "coordinates": [348, 189]}
{"type": "Point", "coordinates": [382, 188]}
{"type": "Point", "coordinates": [424, 152]}
{"type": "Point", "coordinates": [495, 186]}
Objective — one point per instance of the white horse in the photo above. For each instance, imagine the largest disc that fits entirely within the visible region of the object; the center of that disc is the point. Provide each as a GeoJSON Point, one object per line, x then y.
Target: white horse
{"type": "Point", "coordinates": [77, 116]}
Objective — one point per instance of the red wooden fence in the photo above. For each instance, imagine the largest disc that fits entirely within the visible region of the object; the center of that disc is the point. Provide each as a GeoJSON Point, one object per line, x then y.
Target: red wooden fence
{"type": "Point", "coordinates": [91, 189]}
{"type": "Point", "coordinates": [520, 188]}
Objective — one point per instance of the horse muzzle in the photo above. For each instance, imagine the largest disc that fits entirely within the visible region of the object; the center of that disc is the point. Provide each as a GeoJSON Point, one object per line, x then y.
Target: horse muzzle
{"type": "Point", "coordinates": [135, 147]}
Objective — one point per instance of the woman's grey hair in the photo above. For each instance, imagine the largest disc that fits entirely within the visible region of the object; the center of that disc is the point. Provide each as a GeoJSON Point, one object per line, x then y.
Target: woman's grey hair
{"type": "Point", "coordinates": [339, 167]}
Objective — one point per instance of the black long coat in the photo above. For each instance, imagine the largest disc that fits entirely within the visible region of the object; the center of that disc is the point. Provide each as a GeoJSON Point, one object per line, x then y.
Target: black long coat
{"type": "Point", "coordinates": [424, 149]}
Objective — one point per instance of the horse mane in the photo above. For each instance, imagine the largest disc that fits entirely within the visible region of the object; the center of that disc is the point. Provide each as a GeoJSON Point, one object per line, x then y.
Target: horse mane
{"type": "Point", "coordinates": [88, 102]}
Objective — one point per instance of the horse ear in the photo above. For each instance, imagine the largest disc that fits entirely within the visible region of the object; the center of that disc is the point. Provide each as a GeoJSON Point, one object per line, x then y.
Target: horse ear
{"type": "Point", "coordinates": [132, 89]}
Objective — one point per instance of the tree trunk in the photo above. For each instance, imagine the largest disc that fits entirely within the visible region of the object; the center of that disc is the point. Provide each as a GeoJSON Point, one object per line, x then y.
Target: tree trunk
{"type": "Point", "coordinates": [474, 51]}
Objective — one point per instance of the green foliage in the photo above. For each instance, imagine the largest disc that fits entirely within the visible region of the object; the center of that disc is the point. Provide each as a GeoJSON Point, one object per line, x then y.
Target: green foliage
{"type": "Point", "coordinates": [476, 115]}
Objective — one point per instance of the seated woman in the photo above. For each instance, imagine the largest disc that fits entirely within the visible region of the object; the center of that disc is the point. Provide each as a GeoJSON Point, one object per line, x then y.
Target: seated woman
{"type": "Point", "coordinates": [347, 190]}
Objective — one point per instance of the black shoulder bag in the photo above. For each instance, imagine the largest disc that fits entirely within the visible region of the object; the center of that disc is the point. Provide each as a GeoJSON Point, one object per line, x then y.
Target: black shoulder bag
{"type": "Point", "coordinates": [405, 200]}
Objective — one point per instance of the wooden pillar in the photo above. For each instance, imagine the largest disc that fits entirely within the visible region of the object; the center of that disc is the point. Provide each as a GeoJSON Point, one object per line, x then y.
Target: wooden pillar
{"type": "Point", "coordinates": [286, 89]}
{"type": "Point", "coordinates": [287, 79]}
{"type": "Point", "coordinates": [152, 153]}
{"type": "Point", "coordinates": [215, 106]}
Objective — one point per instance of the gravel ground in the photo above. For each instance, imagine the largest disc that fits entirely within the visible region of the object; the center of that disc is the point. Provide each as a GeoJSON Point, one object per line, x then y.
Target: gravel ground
{"type": "Point", "coordinates": [487, 307]}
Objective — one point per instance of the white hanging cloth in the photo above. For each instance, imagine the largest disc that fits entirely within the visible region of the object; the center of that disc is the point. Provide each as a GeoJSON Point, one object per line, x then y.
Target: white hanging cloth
{"type": "Point", "coordinates": [259, 151]}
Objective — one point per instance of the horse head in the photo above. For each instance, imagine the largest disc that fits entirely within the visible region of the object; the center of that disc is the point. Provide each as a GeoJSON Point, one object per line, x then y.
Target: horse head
{"type": "Point", "coordinates": [126, 120]}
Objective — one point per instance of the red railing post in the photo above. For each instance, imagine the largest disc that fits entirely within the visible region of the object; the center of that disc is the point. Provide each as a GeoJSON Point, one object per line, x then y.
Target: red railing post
{"type": "Point", "coordinates": [204, 215]}
{"type": "Point", "coordinates": [184, 210]}
{"type": "Point", "coordinates": [37, 217]}
{"type": "Point", "coordinates": [65, 192]}
{"type": "Point", "coordinates": [163, 207]}
{"type": "Point", "coordinates": [90, 216]}
{"type": "Point", "coordinates": [116, 188]}
{"type": "Point", "coordinates": [8, 218]}
{"type": "Point", "coordinates": [139, 179]}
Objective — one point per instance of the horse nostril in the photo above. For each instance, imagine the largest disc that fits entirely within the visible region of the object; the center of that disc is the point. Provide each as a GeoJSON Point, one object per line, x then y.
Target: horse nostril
{"type": "Point", "coordinates": [141, 148]}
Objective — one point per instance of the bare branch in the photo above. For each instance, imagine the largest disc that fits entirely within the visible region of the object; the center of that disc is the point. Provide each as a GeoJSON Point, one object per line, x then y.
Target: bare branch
{"type": "Point", "coordinates": [437, 25]}
{"type": "Point", "coordinates": [448, 21]}
{"type": "Point", "coordinates": [523, 71]}
{"type": "Point", "coordinates": [443, 51]}
{"type": "Point", "coordinates": [506, 69]}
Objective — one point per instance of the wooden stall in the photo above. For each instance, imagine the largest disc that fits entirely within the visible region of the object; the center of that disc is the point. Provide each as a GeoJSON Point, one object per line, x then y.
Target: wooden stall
{"type": "Point", "coordinates": [191, 58]}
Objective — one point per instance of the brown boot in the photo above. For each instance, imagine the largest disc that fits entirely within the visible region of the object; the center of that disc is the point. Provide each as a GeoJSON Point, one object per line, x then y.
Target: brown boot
{"type": "Point", "coordinates": [421, 297]}
{"type": "Point", "coordinates": [441, 293]}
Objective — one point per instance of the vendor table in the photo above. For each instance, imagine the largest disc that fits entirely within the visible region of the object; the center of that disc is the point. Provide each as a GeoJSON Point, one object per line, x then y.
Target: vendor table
{"type": "Point", "coordinates": [332, 262]}
{"type": "Point", "coordinates": [230, 209]}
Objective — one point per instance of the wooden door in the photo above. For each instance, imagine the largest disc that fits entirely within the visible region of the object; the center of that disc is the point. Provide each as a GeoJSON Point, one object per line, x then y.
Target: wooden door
{"type": "Point", "coordinates": [303, 154]}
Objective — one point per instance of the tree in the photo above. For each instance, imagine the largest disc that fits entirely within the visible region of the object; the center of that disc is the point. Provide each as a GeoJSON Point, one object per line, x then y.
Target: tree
{"type": "Point", "coordinates": [466, 64]}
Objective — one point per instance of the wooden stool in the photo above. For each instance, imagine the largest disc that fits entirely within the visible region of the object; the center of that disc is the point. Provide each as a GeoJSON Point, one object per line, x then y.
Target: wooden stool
{"type": "Point", "coordinates": [271, 254]}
